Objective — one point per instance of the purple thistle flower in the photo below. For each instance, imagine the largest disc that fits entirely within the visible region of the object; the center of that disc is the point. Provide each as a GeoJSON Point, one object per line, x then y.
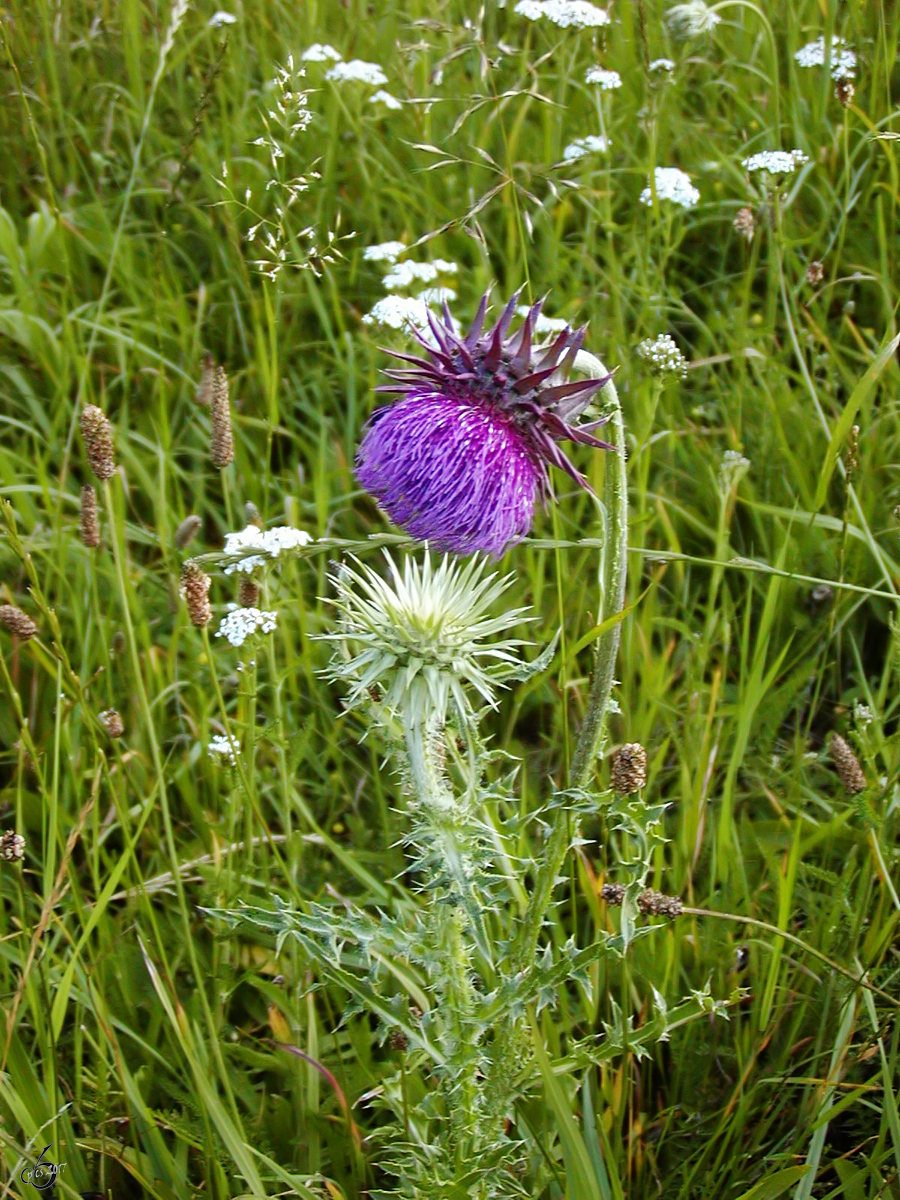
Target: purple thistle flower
{"type": "Point", "coordinates": [460, 459]}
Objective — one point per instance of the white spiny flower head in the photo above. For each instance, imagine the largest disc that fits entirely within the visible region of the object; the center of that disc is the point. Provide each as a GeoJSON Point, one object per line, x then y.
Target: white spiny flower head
{"type": "Point", "coordinates": [672, 184]}
{"type": "Point", "coordinates": [544, 324]}
{"type": "Point", "coordinates": [384, 252]}
{"type": "Point", "coordinates": [222, 749]}
{"type": "Point", "coordinates": [357, 71]}
{"type": "Point", "coordinates": [592, 144]}
{"type": "Point", "coordinates": [843, 61]}
{"type": "Point", "coordinates": [692, 19]}
{"type": "Point", "coordinates": [608, 81]}
{"type": "Point", "coordinates": [252, 547]}
{"type": "Point", "coordinates": [775, 162]}
{"type": "Point", "coordinates": [662, 64]}
{"type": "Point", "coordinates": [663, 356]}
{"type": "Point", "coordinates": [318, 53]}
{"type": "Point", "coordinates": [385, 98]}
{"type": "Point", "coordinates": [424, 635]}
{"type": "Point", "coordinates": [577, 14]}
{"type": "Point", "coordinates": [242, 623]}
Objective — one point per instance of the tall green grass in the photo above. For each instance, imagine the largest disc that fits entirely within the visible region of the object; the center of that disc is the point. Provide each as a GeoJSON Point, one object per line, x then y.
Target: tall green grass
{"type": "Point", "coordinates": [148, 1047]}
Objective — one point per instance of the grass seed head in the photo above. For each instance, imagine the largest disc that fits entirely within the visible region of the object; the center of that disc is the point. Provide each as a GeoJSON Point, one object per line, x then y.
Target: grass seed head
{"type": "Point", "coordinates": [629, 769]}
{"type": "Point", "coordinates": [207, 382]}
{"type": "Point", "coordinates": [847, 765]}
{"type": "Point", "coordinates": [98, 443]}
{"type": "Point", "coordinates": [112, 722]}
{"type": "Point", "coordinates": [656, 904]}
{"type": "Point", "coordinates": [194, 587]}
{"type": "Point", "coordinates": [745, 224]}
{"type": "Point", "coordinates": [12, 846]}
{"type": "Point", "coordinates": [248, 593]}
{"type": "Point", "coordinates": [90, 521]}
{"type": "Point", "coordinates": [17, 622]}
{"type": "Point", "coordinates": [187, 531]}
{"type": "Point", "coordinates": [221, 447]}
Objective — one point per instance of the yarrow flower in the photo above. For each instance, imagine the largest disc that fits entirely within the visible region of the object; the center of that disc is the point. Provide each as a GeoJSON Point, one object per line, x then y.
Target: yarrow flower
{"type": "Point", "coordinates": [543, 324]}
{"type": "Point", "coordinates": [460, 459]}
{"type": "Point", "coordinates": [662, 64]}
{"type": "Point", "coordinates": [403, 274]}
{"type": "Point", "coordinates": [357, 71]}
{"type": "Point", "coordinates": [672, 184]}
{"type": "Point", "coordinates": [564, 13]}
{"type": "Point", "coordinates": [843, 62]}
{"type": "Point", "coordinates": [385, 98]}
{"type": "Point", "coordinates": [253, 547]}
{"type": "Point", "coordinates": [401, 312]}
{"type": "Point", "coordinates": [384, 252]}
{"type": "Point", "coordinates": [242, 623]}
{"type": "Point", "coordinates": [592, 144]}
{"type": "Point", "coordinates": [423, 635]}
{"type": "Point", "coordinates": [318, 53]}
{"type": "Point", "coordinates": [220, 747]}
{"type": "Point", "coordinates": [608, 80]}
{"type": "Point", "coordinates": [692, 19]}
{"type": "Point", "coordinates": [663, 356]}
{"type": "Point", "coordinates": [775, 162]}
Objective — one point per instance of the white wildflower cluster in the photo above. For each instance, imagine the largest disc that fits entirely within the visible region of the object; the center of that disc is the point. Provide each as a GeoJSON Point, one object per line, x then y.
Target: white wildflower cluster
{"type": "Point", "coordinates": [319, 53]}
{"type": "Point", "coordinates": [692, 19]}
{"type": "Point", "coordinates": [567, 14]}
{"type": "Point", "coordinates": [592, 144]}
{"type": "Point", "coordinates": [663, 356]}
{"type": "Point", "coordinates": [775, 162]}
{"type": "Point", "coordinates": [843, 61]}
{"type": "Point", "coordinates": [221, 748]}
{"type": "Point", "coordinates": [384, 252]}
{"type": "Point", "coordinates": [733, 468]}
{"type": "Point", "coordinates": [385, 98]}
{"type": "Point", "coordinates": [543, 324]}
{"type": "Point", "coordinates": [220, 18]}
{"type": "Point", "coordinates": [357, 71]}
{"type": "Point", "coordinates": [242, 623]}
{"type": "Point", "coordinates": [662, 64]}
{"type": "Point", "coordinates": [403, 312]}
{"type": "Point", "coordinates": [252, 547]}
{"type": "Point", "coordinates": [672, 184]}
{"type": "Point", "coordinates": [607, 81]}
{"type": "Point", "coordinates": [403, 274]}
{"type": "Point", "coordinates": [862, 714]}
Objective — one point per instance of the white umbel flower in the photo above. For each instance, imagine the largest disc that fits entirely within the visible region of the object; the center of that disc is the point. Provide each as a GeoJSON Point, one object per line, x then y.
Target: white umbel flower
{"type": "Point", "coordinates": [843, 61]}
{"type": "Point", "coordinates": [252, 547]}
{"type": "Point", "coordinates": [403, 274]}
{"type": "Point", "coordinates": [662, 64]}
{"type": "Point", "coordinates": [242, 623]}
{"type": "Point", "coordinates": [672, 184]}
{"type": "Point", "coordinates": [223, 750]}
{"type": "Point", "coordinates": [543, 324]}
{"type": "Point", "coordinates": [775, 162]}
{"type": "Point", "coordinates": [385, 98]}
{"type": "Point", "coordinates": [384, 252]}
{"type": "Point", "coordinates": [592, 144]}
{"type": "Point", "coordinates": [662, 355]}
{"type": "Point", "coordinates": [357, 71]}
{"type": "Point", "coordinates": [608, 81]}
{"type": "Point", "coordinates": [577, 14]}
{"type": "Point", "coordinates": [692, 19]}
{"type": "Point", "coordinates": [424, 635]}
{"type": "Point", "coordinates": [318, 53]}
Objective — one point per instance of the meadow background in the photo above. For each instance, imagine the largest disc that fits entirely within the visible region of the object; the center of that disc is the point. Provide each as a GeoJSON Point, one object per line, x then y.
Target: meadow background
{"type": "Point", "coordinates": [137, 1036]}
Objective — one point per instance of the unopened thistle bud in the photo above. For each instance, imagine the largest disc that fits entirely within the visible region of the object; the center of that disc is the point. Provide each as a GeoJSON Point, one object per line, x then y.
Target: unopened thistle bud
{"type": "Point", "coordinates": [98, 444]}
{"type": "Point", "coordinates": [844, 90]}
{"type": "Point", "coordinates": [17, 622]}
{"type": "Point", "coordinates": [221, 447]}
{"type": "Point", "coordinates": [112, 722]}
{"type": "Point", "coordinates": [815, 273]}
{"type": "Point", "coordinates": [847, 765]}
{"type": "Point", "coordinates": [744, 224]}
{"type": "Point", "coordinates": [194, 587]}
{"type": "Point", "coordinates": [90, 522]}
{"type": "Point", "coordinates": [207, 381]}
{"type": "Point", "coordinates": [655, 904]}
{"type": "Point", "coordinates": [12, 846]}
{"type": "Point", "coordinates": [613, 893]}
{"type": "Point", "coordinates": [187, 531]}
{"type": "Point", "coordinates": [248, 593]}
{"type": "Point", "coordinates": [629, 769]}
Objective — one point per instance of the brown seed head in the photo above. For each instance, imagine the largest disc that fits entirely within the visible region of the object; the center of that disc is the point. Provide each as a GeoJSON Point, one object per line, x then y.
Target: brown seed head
{"type": "Point", "coordinates": [398, 1040]}
{"type": "Point", "coordinates": [248, 593]}
{"type": "Point", "coordinates": [613, 893]}
{"type": "Point", "coordinates": [187, 531]}
{"type": "Point", "coordinates": [221, 446]}
{"type": "Point", "coordinates": [844, 90]}
{"type": "Point", "coordinates": [656, 904]}
{"type": "Point", "coordinates": [90, 521]}
{"type": "Point", "coordinates": [12, 846]}
{"type": "Point", "coordinates": [17, 622]}
{"type": "Point", "coordinates": [113, 722]}
{"type": "Point", "coordinates": [251, 515]}
{"type": "Point", "coordinates": [98, 444]}
{"type": "Point", "coordinates": [629, 769]}
{"type": "Point", "coordinates": [207, 381]}
{"type": "Point", "coordinates": [745, 224]}
{"type": "Point", "coordinates": [815, 273]}
{"type": "Point", "coordinates": [194, 587]}
{"type": "Point", "coordinates": [847, 765]}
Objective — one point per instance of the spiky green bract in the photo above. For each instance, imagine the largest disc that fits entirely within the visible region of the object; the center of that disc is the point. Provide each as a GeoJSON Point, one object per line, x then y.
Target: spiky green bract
{"type": "Point", "coordinates": [423, 635]}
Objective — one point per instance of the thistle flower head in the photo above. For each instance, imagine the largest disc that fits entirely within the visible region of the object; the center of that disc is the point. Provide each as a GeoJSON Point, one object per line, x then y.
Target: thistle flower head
{"type": "Point", "coordinates": [460, 459]}
{"type": "Point", "coordinates": [424, 635]}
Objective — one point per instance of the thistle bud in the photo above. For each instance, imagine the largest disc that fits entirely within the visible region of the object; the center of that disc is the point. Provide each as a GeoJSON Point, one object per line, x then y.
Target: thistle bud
{"type": "Point", "coordinates": [847, 765]}
{"type": "Point", "coordinates": [17, 622]}
{"type": "Point", "coordinates": [221, 447]}
{"type": "Point", "coordinates": [112, 722]}
{"type": "Point", "coordinates": [655, 904]}
{"type": "Point", "coordinates": [629, 769]}
{"type": "Point", "coordinates": [187, 531]}
{"type": "Point", "coordinates": [12, 846]}
{"type": "Point", "coordinates": [194, 587]}
{"type": "Point", "coordinates": [613, 893]}
{"type": "Point", "coordinates": [98, 444]}
{"type": "Point", "coordinates": [90, 521]}
{"type": "Point", "coordinates": [744, 224]}
{"type": "Point", "coordinates": [207, 381]}
{"type": "Point", "coordinates": [248, 593]}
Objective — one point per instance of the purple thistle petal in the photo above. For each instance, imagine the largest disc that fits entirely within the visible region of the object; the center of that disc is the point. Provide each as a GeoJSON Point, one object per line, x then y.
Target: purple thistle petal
{"type": "Point", "coordinates": [452, 474]}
